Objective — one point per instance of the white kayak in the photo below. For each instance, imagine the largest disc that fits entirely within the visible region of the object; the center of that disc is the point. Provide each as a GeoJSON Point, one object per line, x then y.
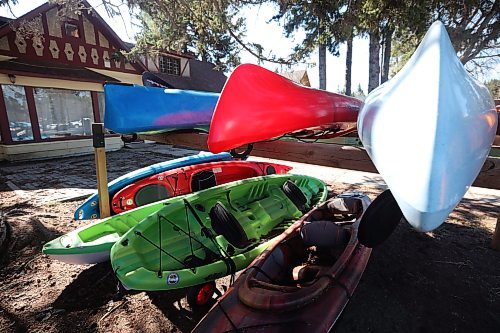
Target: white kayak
{"type": "Point", "coordinates": [429, 130]}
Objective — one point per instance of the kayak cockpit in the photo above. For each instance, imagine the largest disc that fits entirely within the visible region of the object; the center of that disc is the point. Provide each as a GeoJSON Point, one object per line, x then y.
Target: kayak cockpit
{"type": "Point", "coordinates": [308, 261]}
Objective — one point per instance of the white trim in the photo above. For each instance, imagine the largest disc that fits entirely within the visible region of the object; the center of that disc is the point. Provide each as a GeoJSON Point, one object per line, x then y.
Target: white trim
{"type": "Point", "coordinates": [41, 82]}
{"type": "Point", "coordinates": [44, 150]}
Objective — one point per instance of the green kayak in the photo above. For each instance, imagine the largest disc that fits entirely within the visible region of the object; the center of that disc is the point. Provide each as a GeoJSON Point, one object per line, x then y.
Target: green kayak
{"type": "Point", "coordinates": [91, 243]}
{"type": "Point", "coordinates": [213, 233]}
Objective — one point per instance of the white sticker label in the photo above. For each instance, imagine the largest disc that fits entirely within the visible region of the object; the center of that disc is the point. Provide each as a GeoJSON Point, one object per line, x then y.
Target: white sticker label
{"type": "Point", "coordinates": [130, 202]}
{"type": "Point", "coordinates": [160, 177]}
{"type": "Point", "coordinates": [173, 278]}
{"type": "Point", "coordinates": [217, 170]}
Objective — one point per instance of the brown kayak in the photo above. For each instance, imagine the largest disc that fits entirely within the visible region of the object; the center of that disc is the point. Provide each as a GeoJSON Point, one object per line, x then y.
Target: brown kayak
{"type": "Point", "coordinates": [305, 278]}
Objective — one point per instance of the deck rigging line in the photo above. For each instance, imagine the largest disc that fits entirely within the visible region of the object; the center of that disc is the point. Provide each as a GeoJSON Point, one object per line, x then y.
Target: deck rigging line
{"type": "Point", "coordinates": [138, 233]}
{"type": "Point", "coordinates": [231, 266]}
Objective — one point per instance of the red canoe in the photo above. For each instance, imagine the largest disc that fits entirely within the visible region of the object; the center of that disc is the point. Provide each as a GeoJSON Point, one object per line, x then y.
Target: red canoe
{"type": "Point", "coordinates": [304, 279]}
{"type": "Point", "coordinates": [189, 179]}
{"type": "Point", "coordinates": [257, 105]}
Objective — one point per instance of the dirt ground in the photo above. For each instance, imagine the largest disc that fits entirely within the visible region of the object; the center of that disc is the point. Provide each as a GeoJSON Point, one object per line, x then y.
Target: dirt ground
{"type": "Point", "coordinates": [444, 281]}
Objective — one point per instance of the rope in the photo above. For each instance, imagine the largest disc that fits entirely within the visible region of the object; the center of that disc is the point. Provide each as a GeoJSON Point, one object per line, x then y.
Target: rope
{"type": "Point", "coordinates": [257, 268]}
{"type": "Point", "coordinates": [228, 318]}
{"type": "Point", "coordinates": [168, 254]}
{"type": "Point", "coordinates": [159, 239]}
{"type": "Point", "coordinates": [189, 231]}
{"type": "Point", "coordinates": [231, 266]}
{"type": "Point", "coordinates": [194, 238]}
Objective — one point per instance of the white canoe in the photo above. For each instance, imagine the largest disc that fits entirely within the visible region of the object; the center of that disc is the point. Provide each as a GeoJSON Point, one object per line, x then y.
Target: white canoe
{"type": "Point", "coordinates": [429, 130]}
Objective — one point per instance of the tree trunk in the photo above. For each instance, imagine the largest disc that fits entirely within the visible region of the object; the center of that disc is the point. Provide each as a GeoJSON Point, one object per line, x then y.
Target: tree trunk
{"type": "Point", "coordinates": [322, 66]}
{"type": "Point", "coordinates": [387, 55]}
{"type": "Point", "coordinates": [348, 67]}
{"type": "Point", "coordinates": [374, 60]}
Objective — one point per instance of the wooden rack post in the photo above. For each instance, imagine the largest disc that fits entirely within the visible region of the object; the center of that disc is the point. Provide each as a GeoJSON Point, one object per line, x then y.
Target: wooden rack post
{"type": "Point", "coordinates": [102, 174]}
{"type": "Point", "coordinates": [495, 242]}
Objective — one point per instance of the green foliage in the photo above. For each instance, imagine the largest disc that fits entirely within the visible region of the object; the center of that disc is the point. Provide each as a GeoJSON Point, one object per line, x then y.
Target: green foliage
{"type": "Point", "coordinates": [359, 93]}
{"type": "Point", "coordinates": [324, 22]}
{"type": "Point", "coordinates": [494, 87]}
{"type": "Point", "coordinates": [208, 29]}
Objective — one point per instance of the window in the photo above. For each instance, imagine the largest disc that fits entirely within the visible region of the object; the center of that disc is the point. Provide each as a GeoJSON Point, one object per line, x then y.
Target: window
{"type": "Point", "coordinates": [63, 112]}
{"type": "Point", "coordinates": [17, 112]}
{"type": "Point", "coordinates": [170, 65]}
{"type": "Point", "coordinates": [100, 101]}
{"type": "Point", "coordinates": [71, 30]}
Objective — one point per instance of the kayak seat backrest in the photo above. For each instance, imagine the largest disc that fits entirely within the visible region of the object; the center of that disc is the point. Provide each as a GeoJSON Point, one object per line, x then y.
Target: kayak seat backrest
{"type": "Point", "coordinates": [224, 223]}
{"type": "Point", "coordinates": [203, 180]}
{"type": "Point", "coordinates": [277, 266]}
{"type": "Point", "coordinates": [150, 193]}
{"type": "Point", "coordinates": [345, 206]}
{"type": "Point", "coordinates": [324, 234]}
{"type": "Point", "coordinates": [344, 209]}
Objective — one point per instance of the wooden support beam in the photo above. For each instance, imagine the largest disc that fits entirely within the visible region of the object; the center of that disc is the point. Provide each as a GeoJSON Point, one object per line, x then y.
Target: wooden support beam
{"type": "Point", "coordinates": [331, 155]}
{"type": "Point", "coordinates": [101, 170]}
{"type": "Point", "coordinates": [495, 242]}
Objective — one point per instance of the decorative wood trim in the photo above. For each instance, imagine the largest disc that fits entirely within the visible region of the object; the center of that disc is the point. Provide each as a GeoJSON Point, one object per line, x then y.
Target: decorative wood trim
{"type": "Point", "coordinates": [35, 126]}
{"type": "Point", "coordinates": [330, 155]}
{"type": "Point", "coordinates": [28, 16]}
{"type": "Point", "coordinates": [4, 121]}
{"type": "Point", "coordinates": [45, 25]}
{"type": "Point", "coordinates": [95, 107]}
{"type": "Point", "coordinates": [184, 68]}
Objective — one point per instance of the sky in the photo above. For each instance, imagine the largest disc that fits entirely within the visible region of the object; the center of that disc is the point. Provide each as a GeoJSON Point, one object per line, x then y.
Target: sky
{"type": "Point", "coordinates": [269, 35]}
{"type": "Point", "coordinates": [259, 30]}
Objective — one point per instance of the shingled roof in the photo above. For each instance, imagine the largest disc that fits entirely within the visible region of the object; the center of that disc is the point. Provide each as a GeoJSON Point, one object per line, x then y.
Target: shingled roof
{"type": "Point", "coordinates": [203, 78]}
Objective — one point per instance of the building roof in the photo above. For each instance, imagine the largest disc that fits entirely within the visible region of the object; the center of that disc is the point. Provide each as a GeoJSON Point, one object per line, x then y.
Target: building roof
{"type": "Point", "coordinates": [203, 78]}
{"type": "Point", "coordinates": [49, 69]}
{"type": "Point", "coordinates": [299, 76]}
{"type": "Point", "coordinates": [4, 20]}
{"type": "Point", "coordinates": [92, 15]}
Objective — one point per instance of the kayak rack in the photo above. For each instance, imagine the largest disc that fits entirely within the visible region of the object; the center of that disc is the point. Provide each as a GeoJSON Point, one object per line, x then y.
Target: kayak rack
{"type": "Point", "coordinates": [324, 154]}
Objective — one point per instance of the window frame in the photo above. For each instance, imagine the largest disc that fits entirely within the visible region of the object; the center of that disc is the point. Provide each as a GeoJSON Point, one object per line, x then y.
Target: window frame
{"type": "Point", "coordinates": [6, 135]}
{"type": "Point", "coordinates": [166, 64]}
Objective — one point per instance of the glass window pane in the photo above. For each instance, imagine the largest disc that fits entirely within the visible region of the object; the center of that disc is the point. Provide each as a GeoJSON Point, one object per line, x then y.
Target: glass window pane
{"type": "Point", "coordinates": [63, 112]}
{"type": "Point", "coordinates": [17, 112]}
{"type": "Point", "coordinates": [100, 101]}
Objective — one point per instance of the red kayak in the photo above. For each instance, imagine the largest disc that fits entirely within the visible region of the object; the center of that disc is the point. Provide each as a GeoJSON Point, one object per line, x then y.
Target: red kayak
{"type": "Point", "coordinates": [257, 104]}
{"type": "Point", "coordinates": [304, 279]}
{"type": "Point", "coordinates": [189, 179]}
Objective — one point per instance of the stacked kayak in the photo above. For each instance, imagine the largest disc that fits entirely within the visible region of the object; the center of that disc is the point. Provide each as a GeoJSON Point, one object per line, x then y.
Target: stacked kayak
{"type": "Point", "coordinates": [92, 243]}
{"type": "Point", "coordinates": [304, 279]}
{"type": "Point", "coordinates": [90, 208]}
{"type": "Point", "coordinates": [189, 179]}
{"type": "Point", "coordinates": [155, 110]}
{"type": "Point", "coordinates": [429, 130]}
{"type": "Point", "coordinates": [257, 104]}
{"type": "Point", "coordinates": [213, 233]}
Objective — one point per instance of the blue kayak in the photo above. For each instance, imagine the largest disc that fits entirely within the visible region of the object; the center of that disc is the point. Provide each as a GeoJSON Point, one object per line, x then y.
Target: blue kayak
{"type": "Point", "coordinates": [137, 109]}
{"type": "Point", "coordinates": [90, 208]}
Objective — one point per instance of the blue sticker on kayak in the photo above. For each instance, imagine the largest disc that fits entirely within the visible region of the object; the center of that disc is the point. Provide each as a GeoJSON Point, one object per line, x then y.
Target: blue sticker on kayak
{"type": "Point", "coordinates": [173, 278]}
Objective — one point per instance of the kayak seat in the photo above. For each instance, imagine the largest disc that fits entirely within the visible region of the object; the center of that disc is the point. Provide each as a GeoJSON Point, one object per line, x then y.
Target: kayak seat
{"type": "Point", "coordinates": [150, 193]}
{"type": "Point", "coordinates": [338, 209]}
{"type": "Point", "coordinates": [203, 180]}
{"type": "Point", "coordinates": [324, 234]}
{"type": "Point", "coordinates": [224, 223]}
